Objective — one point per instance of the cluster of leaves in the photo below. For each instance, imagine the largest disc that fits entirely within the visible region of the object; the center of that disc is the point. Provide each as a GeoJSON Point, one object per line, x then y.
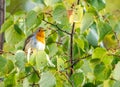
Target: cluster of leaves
{"type": "Point", "coordinates": [96, 54]}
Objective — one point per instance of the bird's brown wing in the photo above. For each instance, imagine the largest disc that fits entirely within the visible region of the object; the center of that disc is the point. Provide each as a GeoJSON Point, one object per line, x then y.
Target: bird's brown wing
{"type": "Point", "coordinates": [27, 41]}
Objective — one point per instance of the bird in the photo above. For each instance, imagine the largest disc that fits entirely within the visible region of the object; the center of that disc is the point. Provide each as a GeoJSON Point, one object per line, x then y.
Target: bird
{"type": "Point", "coordinates": [35, 40]}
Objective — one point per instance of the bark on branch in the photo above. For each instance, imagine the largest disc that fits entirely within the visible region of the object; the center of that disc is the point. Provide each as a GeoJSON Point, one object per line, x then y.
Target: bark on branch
{"type": "Point", "coordinates": [2, 17]}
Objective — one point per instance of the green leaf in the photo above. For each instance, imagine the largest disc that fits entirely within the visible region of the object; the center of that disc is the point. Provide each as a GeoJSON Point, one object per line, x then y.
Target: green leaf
{"type": "Point", "coordinates": [39, 1]}
{"type": "Point", "coordinates": [107, 59]}
{"type": "Point", "coordinates": [12, 37]}
{"type": "Point", "coordinates": [20, 57]}
{"type": "Point", "coordinates": [51, 2]}
{"type": "Point", "coordinates": [41, 60]}
{"type": "Point", "coordinates": [86, 67]}
{"type": "Point", "coordinates": [104, 29]}
{"type": "Point", "coordinates": [89, 85]}
{"type": "Point", "coordinates": [77, 79]}
{"type": "Point", "coordinates": [116, 72]}
{"type": "Point", "coordinates": [31, 19]}
{"type": "Point", "coordinates": [101, 72]}
{"type": "Point", "coordinates": [60, 14]}
{"type": "Point", "coordinates": [8, 2]}
{"type": "Point", "coordinates": [25, 83]}
{"type": "Point", "coordinates": [80, 43]}
{"type": "Point", "coordinates": [3, 62]}
{"type": "Point", "coordinates": [8, 67]}
{"type": "Point", "coordinates": [52, 51]}
{"type": "Point", "coordinates": [47, 80]}
{"type": "Point", "coordinates": [87, 20]}
{"type": "Point", "coordinates": [18, 30]}
{"type": "Point", "coordinates": [61, 80]}
{"type": "Point", "coordinates": [99, 53]}
{"type": "Point", "coordinates": [10, 80]}
{"type": "Point", "coordinates": [77, 13]}
{"type": "Point", "coordinates": [52, 38]}
{"type": "Point", "coordinates": [98, 4]}
{"type": "Point", "coordinates": [98, 71]}
{"type": "Point", "coordinates": [116, 84]}
{"type": "Point", "coordinates": [92, 36]}
{"type": "Point", "coordinates": [60, 64]}
{"type": "Point", "coordinates": [7, 24]}
{"type": "Point", "coordinates": [33, 78]}
{"type": "Point", "coordinates": [117, 27]}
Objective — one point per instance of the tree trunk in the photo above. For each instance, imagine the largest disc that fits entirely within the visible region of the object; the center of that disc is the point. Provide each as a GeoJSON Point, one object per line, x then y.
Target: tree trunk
{"type": "Point", "coordinates": [2, 17]}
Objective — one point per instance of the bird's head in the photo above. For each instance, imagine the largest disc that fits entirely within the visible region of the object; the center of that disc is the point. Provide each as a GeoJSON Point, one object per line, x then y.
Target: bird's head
{"type": "Point", "coordinates": [40, 34]}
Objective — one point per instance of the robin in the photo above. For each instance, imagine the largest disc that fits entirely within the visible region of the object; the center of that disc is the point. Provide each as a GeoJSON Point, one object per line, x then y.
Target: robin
{"type": "Point", "coordinates": [35, 40]}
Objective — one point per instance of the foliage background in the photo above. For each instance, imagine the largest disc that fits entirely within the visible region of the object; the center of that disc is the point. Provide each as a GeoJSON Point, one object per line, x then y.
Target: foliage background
{"type": "Point", "coordinates": [83, 48]}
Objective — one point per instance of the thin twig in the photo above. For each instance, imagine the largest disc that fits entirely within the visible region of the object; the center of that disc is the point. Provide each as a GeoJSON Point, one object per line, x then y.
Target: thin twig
{"type": "Point", "coordinates": [57, 27]}
{"type": "Point", "coordinates": [36, 72]}
{"type": "Point", "coordinates": [75, 61]}
{"type": "Point", "coordinates": [78, 2]}
{"type": "Point", "coordinates": [2, 51]}
{"type": "Point", "coordinates": [114, 55]}
{"type": "Point", "coordinates": [25, 76]}
{"type": "Point", "coordinates": [67, 77]}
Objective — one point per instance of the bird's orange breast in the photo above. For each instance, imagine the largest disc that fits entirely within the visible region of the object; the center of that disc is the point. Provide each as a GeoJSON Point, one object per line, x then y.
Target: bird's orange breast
{"type": "Point", "coordinates": [40, 36]}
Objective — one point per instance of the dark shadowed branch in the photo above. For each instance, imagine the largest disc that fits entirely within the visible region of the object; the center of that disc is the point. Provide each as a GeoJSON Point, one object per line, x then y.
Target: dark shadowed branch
{"type": "Point", "coordinates": [2, 17]}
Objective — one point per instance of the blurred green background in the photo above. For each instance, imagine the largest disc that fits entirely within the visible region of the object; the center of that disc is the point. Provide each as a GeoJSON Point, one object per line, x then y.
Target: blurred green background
{"type": "Point", "coordinates": [15, 5]}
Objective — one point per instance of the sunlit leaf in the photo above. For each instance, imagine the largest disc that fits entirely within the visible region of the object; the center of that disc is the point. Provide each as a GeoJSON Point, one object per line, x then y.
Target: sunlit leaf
{"type": "Point", "coordinates": [86, 67]}
{"type": "Point", "coordinates": [92, 37]}
{"type": "Point", "coordinates": [98, 4]}
{"type": "Point", "coordinates": [104, 29]}
{"type": "Point", "coordinates": [116, 84]}
{"type": "Point", "coordinates": [47, 80]}
{"type": "Point", "coordinates": [12, 37]}
{"type": "Point", "coordinates": [8, 67]}
{"type": "Point", "coordinates": [99, 53]}
{"type": "Point", "coordinates": [77, 79]}
{"type": "Point", "coordinates": [34, 78]}
{"type": "Point", "coordinates": [10, 80]}
{"type": "Point", "coordinates": [60, 64]}
{"type": "Point", "coordinates": [20, 59]}
{"type": "Point", "coordinates": [60, 14]}
{"type": "Point", "coordinates": [31, 19]}
{"type": "Point", "coordinates": [41, 60]}
{"type": "Point", "coordinates": [116, 72]}
{"type": "Point", "coordinates": [51, 2]}
{"type": "Point", "coordinates": [3, 62]}
{"type": "Point", "coordinates": [52, 51]}
{"type": "Point", "coordinates": [80, 43]}
{"type": "Point", "coordinates": [87, 20]}
{"type": "Point", "coordinates": [77, 14]}
{"type": "Point", "coordinates": [7, 24]}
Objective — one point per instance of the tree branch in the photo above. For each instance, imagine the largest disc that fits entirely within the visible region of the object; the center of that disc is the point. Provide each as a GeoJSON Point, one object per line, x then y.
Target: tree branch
{"type": "Point", "coordinates": [57, 27]}
{"type": "Point", "coordinates": [2, 51]}
{"type": "Point", "coordinates": [36, 72]}
{"type": "Point", "coordinates": [78, 2]}
{"type": "Point", "coordinates": [2, 18]}
{"type": "Point", "coordinates": [71, 45]}
{"type": "Point", "coordinates": [77, 60]}
{"type": "Point", "coordinates": [71, 48]}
